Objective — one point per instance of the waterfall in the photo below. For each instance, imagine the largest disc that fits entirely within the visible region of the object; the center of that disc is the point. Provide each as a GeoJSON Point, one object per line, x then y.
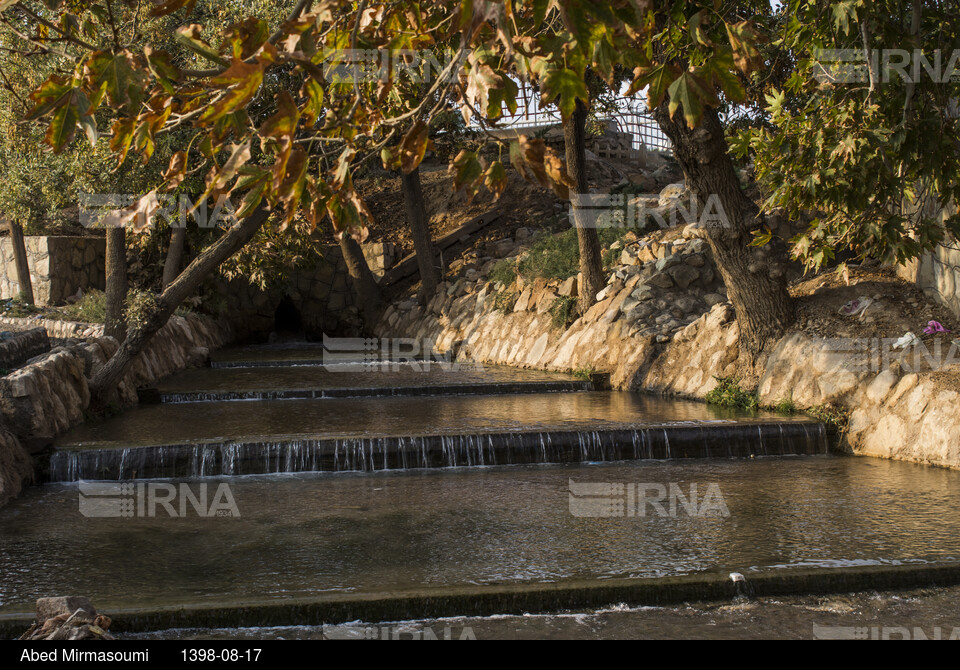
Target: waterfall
{"type": "Point", "coordinates": [392, 453]}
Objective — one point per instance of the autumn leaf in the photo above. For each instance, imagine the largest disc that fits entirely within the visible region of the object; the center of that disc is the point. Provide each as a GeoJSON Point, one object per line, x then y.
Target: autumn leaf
{"type": "Point", "coordinates": [467, 170]}
{"type": "Point", "coordinates": [414, 146]}
{"type": "Point", "coordinates": [242, 81]}
{"type": "Point", "coordinates": [495, 179]}
{"type": "Point", "coordinates": [743, 40]}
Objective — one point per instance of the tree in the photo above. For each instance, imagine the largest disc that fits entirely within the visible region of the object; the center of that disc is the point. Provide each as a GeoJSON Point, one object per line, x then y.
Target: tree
{"type": "Point", "coordinates": [420, 231]}
{"type": "Point", "coordinates": [174, 258]}
{"type": "Point", "coordinates": [591, 263]}
{"type": "Point", "coordinates": [870, 148]}
{"type": "Point", "coordinates": [267, 124]}
{"type": "Point", "coordinates": [114, 322]}
{"type": "Point", "coordinates": [20, 259]}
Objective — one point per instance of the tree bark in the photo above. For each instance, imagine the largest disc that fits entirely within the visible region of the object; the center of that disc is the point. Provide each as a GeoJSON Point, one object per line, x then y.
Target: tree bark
{"type": "Point", "coordinates": [365, 288]}
{"type": "Point", "coordinates": [420, 230]}
{"type": "Point", "coordinates": [23, 266]}
{"type": "Point", "coordinates": [114, 324]}
{"type": "Point", "coordinates": [591, 263]}
{"type": "Point", "coordinates": [755, 277]}
{"type": "Point", "coordinates": [105, 381]}
{"type": "Point", "coordinates": [171, 266]}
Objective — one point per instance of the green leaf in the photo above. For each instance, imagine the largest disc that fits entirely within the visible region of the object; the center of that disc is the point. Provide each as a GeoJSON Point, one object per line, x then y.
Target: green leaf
{"type": "Point", "coordinates": [563, 87]}
{"type": "Point", "coordinates": [692, 93]}
{"type": "Point", "coordinates": [658, 80]}
{"type": "Point", "coordinates": [63, 126]}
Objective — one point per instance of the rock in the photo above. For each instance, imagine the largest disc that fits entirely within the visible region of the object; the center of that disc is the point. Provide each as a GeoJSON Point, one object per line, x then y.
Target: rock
{"type": "Point", "coordinates": [523, 234]}
{"type": "Point", "coordinates": [504, 247]}
{"type": "Point", "coordinates": [693, 231]}
{"type": "Point", "coordinates": [608, 291]}
{"type": "Point", "coordinates": [642, 293]}
{"type": "Point", "coordinates": [714, 299]}
{"type": "Point", "coordinates": [683, 275]}
{"type": "Point", "coordinates": [695, 260]}
{"type": "Point", "coordinates": [524, 301]}
{"type": "Point", "coordinates": [628, 256]}
{"type": "Point", "coordinates": [661, 280]}
{"type": "Point", "coordinates": [568, 288]}
{"type": "Point", "coordinates": [671, 194]}
{"type": "Point", "coordinates": [639, 311]}
{"type": "Point", "coordinates": [668, 262]}
{"type": "Point", "coordinates": [687, 304]}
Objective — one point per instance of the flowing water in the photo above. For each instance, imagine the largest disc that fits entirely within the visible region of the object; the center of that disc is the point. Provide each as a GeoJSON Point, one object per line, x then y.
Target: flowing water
{"type": "Point", "coordinates": [285, 480]}
{"type": "Point", "coordinates": [303, 535]}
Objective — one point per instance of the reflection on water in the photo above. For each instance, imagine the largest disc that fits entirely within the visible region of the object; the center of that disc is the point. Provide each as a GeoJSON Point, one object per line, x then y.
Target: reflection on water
{"type": "Point", "coordinates": [371, 417]}
{"type": "Point", "coordinates": [371, 532]}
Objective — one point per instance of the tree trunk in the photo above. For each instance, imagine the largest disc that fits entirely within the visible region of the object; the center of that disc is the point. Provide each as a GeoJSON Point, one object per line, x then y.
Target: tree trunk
{"type": "Point", "coordinates": [105, 381]}
{"type": "Point", "coordinates": [591, 264]}
{"type": "Point", "coordinates": [755, 277]}
{"type": "Point", "coordinates": [20, 258]}
{"type": "Point", "coordinates": [365, 289]}
{"type": "Point", "coordinates": [171, 266]}
{"type": "Point", "coordinates": [420, 230]}
{"type": "Point", "coordinates": [116, 290]}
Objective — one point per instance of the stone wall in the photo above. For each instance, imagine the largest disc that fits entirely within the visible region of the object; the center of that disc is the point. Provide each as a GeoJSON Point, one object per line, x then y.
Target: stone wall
{"type": "Point", "coordinates": [61, 330]}
{"type": "Point", "coordinates": [58, 267]}
{"type": "Point", "coordinates": [17, 350]}
{"type": "Point", "coordinates": [321, 294]}
{"type": "Point", "coordinates": [51, 395]}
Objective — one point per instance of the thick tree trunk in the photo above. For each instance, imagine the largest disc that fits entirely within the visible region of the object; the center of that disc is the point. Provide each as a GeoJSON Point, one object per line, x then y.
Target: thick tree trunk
{"type": "Point", "coordinates": [365, 289]}
{"type": "Point", "coordinates": [420, 230]}
{"type": "Point", "coordinates": [755, 277]}
{"type": "Point", "coordinates": [591, 263]}
{"type": "Point", "coordinates": [105, 381]}
{"type": "Point", "coordinates": [20, 258]}
{"type": "Point", "coordinates": [171, 266]}
{"type": "Point", "coordinates": [116, 289]}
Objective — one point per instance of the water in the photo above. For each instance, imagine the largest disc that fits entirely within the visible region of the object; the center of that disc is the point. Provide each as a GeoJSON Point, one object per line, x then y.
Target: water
{"type": "Point", "coordinates": [908, 615]}
{"type": "Point", "coordinates": [293, 381]}
{"type": "Point", "coordinates": [381, 433]}
{"type": "Point", "coordinates": [300, 536]}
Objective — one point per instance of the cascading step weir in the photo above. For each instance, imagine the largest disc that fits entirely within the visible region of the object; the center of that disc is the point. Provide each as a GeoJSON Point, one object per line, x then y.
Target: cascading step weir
{"type": "Point", "coordinates": [233, 457]}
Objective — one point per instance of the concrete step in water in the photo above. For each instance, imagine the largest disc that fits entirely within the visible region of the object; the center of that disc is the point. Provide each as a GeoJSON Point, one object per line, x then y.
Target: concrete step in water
{"type": "Point", "coordinates": [350, 381]}
{"type": "Point", "coordinates": [238, 438]}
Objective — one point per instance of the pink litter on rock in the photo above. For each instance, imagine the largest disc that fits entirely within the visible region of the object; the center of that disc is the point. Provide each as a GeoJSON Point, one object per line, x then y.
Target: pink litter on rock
{"type": "Point", "coordinates": [935, 327]}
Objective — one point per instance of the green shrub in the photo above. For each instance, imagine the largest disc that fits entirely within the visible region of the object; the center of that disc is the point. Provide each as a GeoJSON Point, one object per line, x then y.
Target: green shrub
{"type": "Point", "coordinates": [138, 307]}
{"type": "Point", "coordinates": [505, 272]}
{"type": "Point", "coordinates": [836, 418]}
{"type": "Point", "coordinates": [552, 257]}
{"type": "Point", "coordinates": [15, 307]}
{"type": "Point", "coordinates": [91, 308]}
{"type": "Point", "coordinates": [558, 256]}
{"type": "Point", "coordinates": [728, 393]}
{"type": "Point", "coordinates": [785, 406]}
{"type": "Point", "coordinates": [505, 301]}
{"type": "Point", "coordinates": [563, 311]}
{"type": "Point", "coordinates": [583, 373]}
